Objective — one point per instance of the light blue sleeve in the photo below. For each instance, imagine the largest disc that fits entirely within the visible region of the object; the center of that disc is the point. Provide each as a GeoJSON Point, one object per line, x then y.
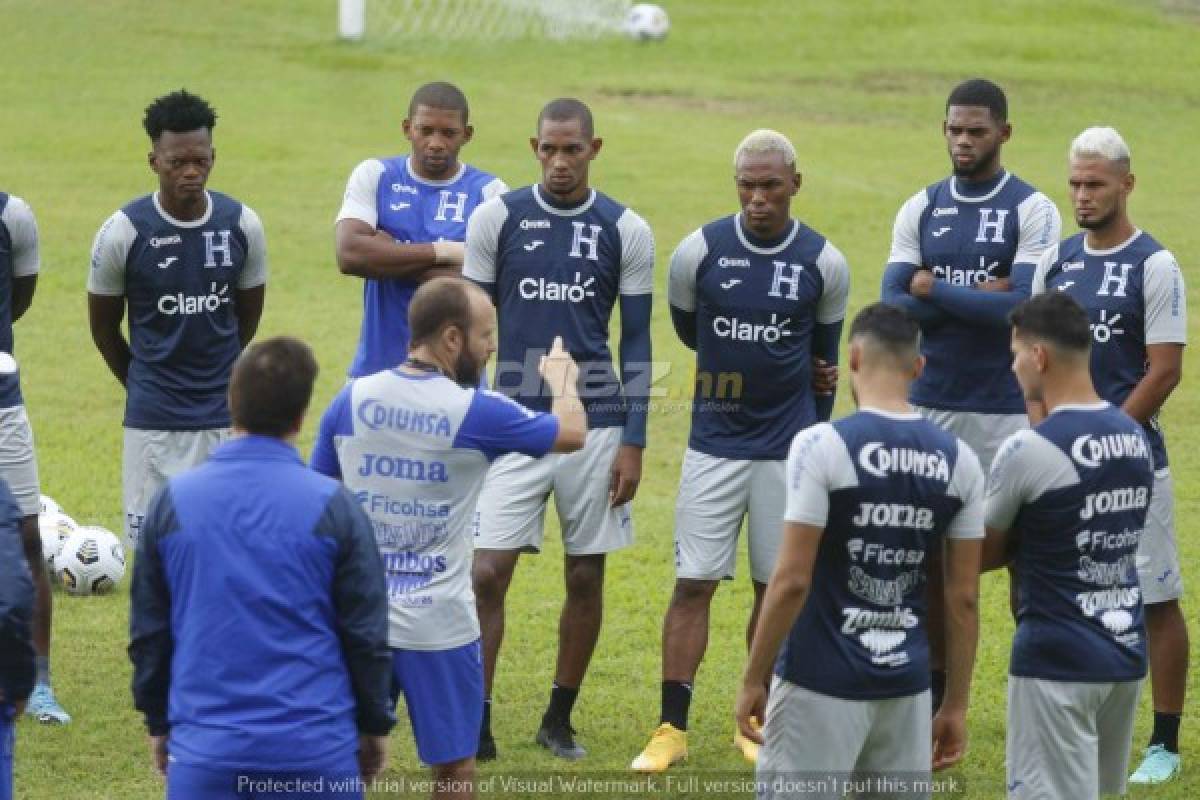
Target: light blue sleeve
{"type": "Point", "coordinates": [496, 425]}
{"type": "Point", "coordinates": [335, 422]}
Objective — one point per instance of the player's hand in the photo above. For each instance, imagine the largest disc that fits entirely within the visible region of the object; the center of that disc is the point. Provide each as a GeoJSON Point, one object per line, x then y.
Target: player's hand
{"type": "Point", "coordinates": [949, 738]}
{"type": "Point", "coordinates": [751, 705]}
{"type": "Point", "coordinates": [372, 755]}
{"type": "Point", "coordinates": [824, 377]}
{"type": "Point", "coordinates": [921, 284]}
{"type": "Point", "coordinates": [625, 475]}
{"type": "Point", "coordinates": [558, 369]}
{"type": "Point", "coordinates": [449, 254]}
{"type": "Point", "coordinates": [158, 753]}
{"type": "Point", "coordinates": [995, 285]}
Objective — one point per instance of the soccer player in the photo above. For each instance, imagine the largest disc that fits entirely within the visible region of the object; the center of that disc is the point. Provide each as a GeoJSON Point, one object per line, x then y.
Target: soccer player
{"type": "Point", "coordinates": [17, 669]}
{"type": "Point", "coordinates": [758, 295]}
{"type": "Point", "coordinates": [258, 620]}
{"type": "Point", "coordinates": [1073, 493]}
{"type": "Point", "coordinates": [869, 498]}
{"type": "Point", "coordinates": [404, 220]}
{"type": "Point", "coordinates": [1132, 289]}
{"type": "Point", "coordinates": [558, 257]}
{"type": "Point", "coordinates": [191, 267]}
{"type": "Point", "coordinates": [414, 444]}
{"type": "Point", "coordinates": [19, 264]}
{"type": "Point", "coordinates": [963, 254]}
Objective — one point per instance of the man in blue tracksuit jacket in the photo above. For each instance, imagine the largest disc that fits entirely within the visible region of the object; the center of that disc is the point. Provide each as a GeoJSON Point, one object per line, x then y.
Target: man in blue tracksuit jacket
{"type": "Point", "coordinates": [16, 632]}
{"type": "Point", "coordinates": [259, 611]}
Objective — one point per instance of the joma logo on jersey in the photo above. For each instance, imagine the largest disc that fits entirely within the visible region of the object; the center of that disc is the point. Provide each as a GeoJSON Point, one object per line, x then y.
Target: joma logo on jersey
{"type": "Point", "coordinates": [734, 328]}
{"type": "Point", "coordinates": [403, 469]}
{"type": "Point", "coordinates": [163, 241]}
{"type": "Point", "coordinates": [893, 515]}
{"type": "Point", "coordinates": [1114, 500]}
{"type": "Point", "coordinates": [1090, 451]}
{"type": "Point", "coordinates": [968, 277]}
{"type": "Point", "coordinates": [534, 224]}
{"type": "Point", "coordinates": [725, 261]}
{"type": "Point", "coordinates": [212, 248]}
{"type": "Point", "coordinates": [542, 289]}
{"type": "Point", "coordinates": [404, 187]}
{"type": "Point", "coordinates": [190, 304]}
{"type": "Point", "coordinates": [879, 461]}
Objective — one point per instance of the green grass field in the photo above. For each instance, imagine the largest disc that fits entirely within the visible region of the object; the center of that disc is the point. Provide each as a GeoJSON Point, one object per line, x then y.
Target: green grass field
{"type": "Point", "coordinates": [859, 86]}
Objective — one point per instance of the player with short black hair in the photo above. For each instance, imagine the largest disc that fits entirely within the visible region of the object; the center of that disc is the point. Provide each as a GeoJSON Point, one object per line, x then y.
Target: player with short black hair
{"type": "Point", "coordinates": [1133, 290]}
{"type": "Point", "coordinates": [190, 266]}
{"type": "Point", "coordinates": [870, 497]}
{"type": "Point", "coordinates": [558, 257]}
{"type": "Point", "coordinates": [760, 297]}
{"type": "Point", "coordinates": [1067, 502]}
{"type": "Point", "coordinates": [178, 112]}
{"type": "Point", "coordinates": [963, 254]}
{"type": "Point", "coordinates": [404, 220]}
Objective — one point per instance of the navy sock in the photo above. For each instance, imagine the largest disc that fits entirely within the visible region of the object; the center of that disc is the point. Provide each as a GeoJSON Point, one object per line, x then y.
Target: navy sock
{"type": "Point", "coordinates": [43, 669]}
{"type": "Point", "coordinates": [676, 700]}
{"type": "Point", "coordinates": [1166, 731]}
{"type": "Point", "coordinates": [562, 701]}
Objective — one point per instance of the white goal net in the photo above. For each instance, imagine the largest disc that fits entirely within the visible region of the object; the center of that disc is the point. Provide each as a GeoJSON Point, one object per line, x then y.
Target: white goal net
{"type": "Point", "coordinates": [453, 20]}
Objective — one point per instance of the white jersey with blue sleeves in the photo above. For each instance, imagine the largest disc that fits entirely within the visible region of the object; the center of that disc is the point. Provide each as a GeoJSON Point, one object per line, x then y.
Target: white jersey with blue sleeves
{"type": "Point", "coordinates": [415, 449]}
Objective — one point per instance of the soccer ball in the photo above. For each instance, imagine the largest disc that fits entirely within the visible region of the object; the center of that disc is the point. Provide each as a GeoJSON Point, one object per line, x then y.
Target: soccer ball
{"type": "Point", "coordinates": [55, 527]}
{"type": "Point", "coordinates": [92, 561]}
{"type": "Point", "coordinates": [647, 21]}
{"type": "Point", "coordinates": [48, 505]}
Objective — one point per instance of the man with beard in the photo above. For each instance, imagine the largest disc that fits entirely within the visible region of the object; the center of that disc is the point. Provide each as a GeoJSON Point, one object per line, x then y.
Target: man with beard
{"type": "Point", "coordinates": [963, 254]}
{"type": "Point", "coordinates": [1132, 289]}
{"type": "Point", "coordinates": [414, 444]}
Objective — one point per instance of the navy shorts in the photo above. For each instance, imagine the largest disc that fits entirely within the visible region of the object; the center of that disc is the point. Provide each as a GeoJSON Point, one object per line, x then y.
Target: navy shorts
{"type": "Point", "coordinates": [443, 690]}
{"type": "Point", "coordinates": [341, 781]}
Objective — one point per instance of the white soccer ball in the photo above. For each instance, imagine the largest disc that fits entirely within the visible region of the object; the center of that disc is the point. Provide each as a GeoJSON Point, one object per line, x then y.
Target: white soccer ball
{"type": "Point", "coordinates": [48, 505]}
{"type": "Point", "coordinates": [91, 561]}
{"type": "Point", "coordinates": [55, 527]}
{"type": "Point", "coordinates": [646, 21]}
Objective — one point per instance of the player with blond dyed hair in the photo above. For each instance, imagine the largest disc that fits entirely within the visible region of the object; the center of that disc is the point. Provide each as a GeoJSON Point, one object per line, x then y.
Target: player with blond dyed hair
{"type": "Point", "coordinates": [1132, 289]}
{"type": "Point", "coordinates": [760, 297]}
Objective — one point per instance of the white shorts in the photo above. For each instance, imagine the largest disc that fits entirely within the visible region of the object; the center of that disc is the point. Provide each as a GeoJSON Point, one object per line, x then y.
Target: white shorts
{"type": "Point", "coordinates": [814, 744]}
{"type": "Point", "coordinates": [18, 461]}
{"type": "Point", "coordinates": [511, 512]}
{"type": "Point", "coordinates": [150, 458]}
{"type": "Point", "coordinates": [1157, 555]}
{"type": "Point", "coordinates": [715, 494]}
{"type": "Point", "coordinates": [1068, 740]}
{"type": "Point", "coordinates": [983, 433]}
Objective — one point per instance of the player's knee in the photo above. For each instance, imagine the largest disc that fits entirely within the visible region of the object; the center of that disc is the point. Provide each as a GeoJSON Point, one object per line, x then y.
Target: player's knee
{"type": "Point", "coordinates": [489, 579]}
{"type": "Point", "coordinates": [584, 576]}
{"type": "Point", "coordinates": [690, 592]}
